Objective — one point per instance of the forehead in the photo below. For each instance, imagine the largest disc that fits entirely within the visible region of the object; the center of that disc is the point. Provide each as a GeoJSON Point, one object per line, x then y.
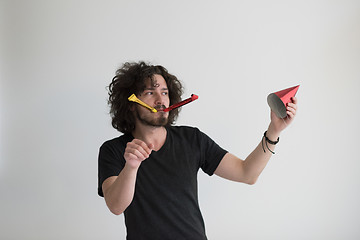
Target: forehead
{"type": "Point", "coordinates": [155, 81]}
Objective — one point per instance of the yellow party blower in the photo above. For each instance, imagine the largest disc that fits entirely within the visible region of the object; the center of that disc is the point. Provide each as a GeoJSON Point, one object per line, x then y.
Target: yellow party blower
{"type": "Point", "coordinates": [133, 98]}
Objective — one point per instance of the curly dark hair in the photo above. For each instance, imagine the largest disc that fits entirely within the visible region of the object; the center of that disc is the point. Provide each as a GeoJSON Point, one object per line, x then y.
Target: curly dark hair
{"type": "Point", "coordinates": [130, 78]}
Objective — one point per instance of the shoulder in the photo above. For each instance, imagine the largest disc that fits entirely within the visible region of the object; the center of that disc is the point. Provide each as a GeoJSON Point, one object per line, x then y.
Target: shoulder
{"type": "Point", "coordinates": [187, 133]}
{"type": "Point", "coordinates": [112, 151]}
{"type": "Point", "coordinates": [116, 143]}
{"type": "Point", "coordinates": [184, 130]}
{"type": "Point", "coordinates": [110, 143]}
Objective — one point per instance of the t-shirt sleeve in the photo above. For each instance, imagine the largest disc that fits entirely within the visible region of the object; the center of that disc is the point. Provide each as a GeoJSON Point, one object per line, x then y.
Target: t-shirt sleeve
{"type": "Point", "coordinates": [211, 154]}
{"type": "Point", "coordinates": [110, 162]}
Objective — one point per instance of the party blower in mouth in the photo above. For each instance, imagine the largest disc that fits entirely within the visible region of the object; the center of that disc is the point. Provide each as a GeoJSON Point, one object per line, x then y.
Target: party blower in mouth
{"type": "Point", "coordinates": [179, 104]}
{"type": "Point", "coordinates": [193, 97]}
{"type": "Point", "coordinates": [133, 98]}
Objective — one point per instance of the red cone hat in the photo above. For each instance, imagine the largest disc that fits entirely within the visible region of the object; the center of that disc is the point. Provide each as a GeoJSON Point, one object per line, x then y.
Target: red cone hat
{"type": "Point", "coordinates": [279, 100]}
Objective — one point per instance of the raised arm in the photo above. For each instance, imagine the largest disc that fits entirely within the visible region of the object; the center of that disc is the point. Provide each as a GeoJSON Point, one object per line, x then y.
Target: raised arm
{"type": "Point", "coordinates": [248, 170]}
{"type": "Point", "coordinates": [119, 190]}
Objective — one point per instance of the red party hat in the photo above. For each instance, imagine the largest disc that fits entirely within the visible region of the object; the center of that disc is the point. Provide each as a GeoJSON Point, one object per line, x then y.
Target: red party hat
{"type": "Point", "coordinates": [279, 100]}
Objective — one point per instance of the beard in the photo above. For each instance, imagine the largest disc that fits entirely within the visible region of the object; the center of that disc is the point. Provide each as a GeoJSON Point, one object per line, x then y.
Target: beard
{"type": "Point", "coordinates": [150, 120]}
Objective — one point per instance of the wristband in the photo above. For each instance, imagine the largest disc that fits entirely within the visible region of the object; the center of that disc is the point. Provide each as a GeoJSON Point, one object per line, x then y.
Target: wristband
{"type": "Point", "coordinates": [267, 140]}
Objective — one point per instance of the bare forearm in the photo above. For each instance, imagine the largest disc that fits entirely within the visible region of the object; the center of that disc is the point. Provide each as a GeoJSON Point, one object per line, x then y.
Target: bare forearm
{"type": "Point", "coordinates": [248, 170]}
{"type": "Point", "coordinates": [255, 163]}
{"type": "Point", "coordinates": [120, 194]}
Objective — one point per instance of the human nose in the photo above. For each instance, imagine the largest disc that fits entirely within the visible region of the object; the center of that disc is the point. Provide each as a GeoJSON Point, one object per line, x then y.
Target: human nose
{"type": "Point", "coordinates": [159, 99]}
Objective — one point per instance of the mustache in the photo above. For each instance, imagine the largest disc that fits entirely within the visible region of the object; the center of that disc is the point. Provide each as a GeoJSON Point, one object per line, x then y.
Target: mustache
{"type": "Point", "coordinates": [160, 107]}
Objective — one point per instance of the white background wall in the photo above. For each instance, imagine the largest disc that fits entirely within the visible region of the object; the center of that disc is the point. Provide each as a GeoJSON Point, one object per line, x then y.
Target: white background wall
{"type": "Point", "coordinates": [57, 57]}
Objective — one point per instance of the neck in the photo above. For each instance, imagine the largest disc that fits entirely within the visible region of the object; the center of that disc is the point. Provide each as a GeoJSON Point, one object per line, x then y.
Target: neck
{"type": "Point", "coordinates": [150, 135]}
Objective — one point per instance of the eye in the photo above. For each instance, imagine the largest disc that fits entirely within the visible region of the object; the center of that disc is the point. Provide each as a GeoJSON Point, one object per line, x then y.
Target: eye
{"type": "Point", "coordinates": [148, 93]}
{"type": "Point", "coordinates": [165, 93]}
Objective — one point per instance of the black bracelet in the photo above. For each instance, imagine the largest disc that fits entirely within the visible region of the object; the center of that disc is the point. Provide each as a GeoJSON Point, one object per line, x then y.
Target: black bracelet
{"type": "Point", "coordinates": [267, 140]}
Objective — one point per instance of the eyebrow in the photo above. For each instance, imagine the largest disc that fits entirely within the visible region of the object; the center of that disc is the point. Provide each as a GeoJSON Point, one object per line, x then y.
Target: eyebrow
{"type": "Point", "coordinates": [153, 88]}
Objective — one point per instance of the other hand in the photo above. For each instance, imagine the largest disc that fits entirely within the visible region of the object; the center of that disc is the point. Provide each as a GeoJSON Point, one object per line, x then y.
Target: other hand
{"type": "Point", "coordinates": [137, 151]}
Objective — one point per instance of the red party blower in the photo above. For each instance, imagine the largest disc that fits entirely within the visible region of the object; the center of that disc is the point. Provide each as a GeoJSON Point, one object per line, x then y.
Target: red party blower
{"type": "Point", "coordinates": [179, 104]}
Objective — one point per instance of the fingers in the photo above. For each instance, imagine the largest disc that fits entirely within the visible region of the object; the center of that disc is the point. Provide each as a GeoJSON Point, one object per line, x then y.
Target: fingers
{"type": "Point", "coordinates": [290, 114]}
{"type": "Point", "coordinates": [142, 145]}
{"type": "Point", "coordinates": [137, 150]}
{"type": "Point", "coordinates": [292, 107]}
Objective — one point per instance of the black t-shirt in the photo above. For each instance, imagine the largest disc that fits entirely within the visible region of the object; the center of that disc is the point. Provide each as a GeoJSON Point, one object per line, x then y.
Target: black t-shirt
{"type": "Point", "coordinates": [165, 203]}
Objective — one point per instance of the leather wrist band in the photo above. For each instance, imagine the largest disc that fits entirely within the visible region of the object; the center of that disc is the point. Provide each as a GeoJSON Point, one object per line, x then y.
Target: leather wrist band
{"type": "Point", "coordinates": [267, 140]}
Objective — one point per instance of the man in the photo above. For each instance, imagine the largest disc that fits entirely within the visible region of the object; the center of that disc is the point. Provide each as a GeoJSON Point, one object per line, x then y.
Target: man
{"type": "Point", "coordinates": [150, 172]}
